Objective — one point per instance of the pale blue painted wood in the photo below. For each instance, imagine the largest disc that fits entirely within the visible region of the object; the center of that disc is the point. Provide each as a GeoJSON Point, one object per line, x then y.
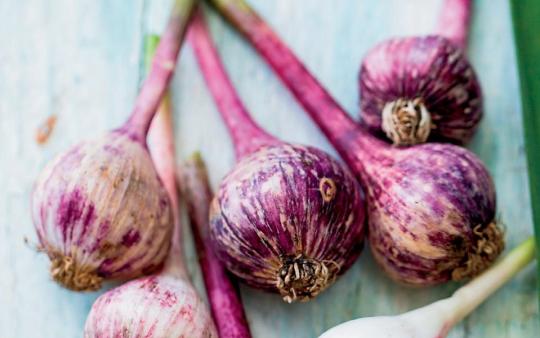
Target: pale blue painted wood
{"type": "Point", "coordinates": [80, 60]}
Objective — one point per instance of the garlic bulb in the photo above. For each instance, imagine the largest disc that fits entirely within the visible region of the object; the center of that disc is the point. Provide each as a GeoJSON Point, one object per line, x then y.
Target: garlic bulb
{"type": "Point", "coordinates": [100, 211]}
{"type": "Point", "coordinates": [165, 305]}
{"type": "Point", "coordinates": [161, 306]}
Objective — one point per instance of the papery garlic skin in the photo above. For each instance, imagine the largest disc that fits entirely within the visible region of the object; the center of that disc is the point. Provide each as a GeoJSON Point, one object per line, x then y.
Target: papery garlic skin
{"type": "Point", "coordinates": [432, 211]}
{"type": "Point", "coordinates": [161, 306]}
{"type": "Point", "coordinates": [288, 219]}
{"type": "Point", "coordinates": [100, 212]}
{"type": "Point", "coordinates": [389, 327]}
{"type": "Point", "coordinates": [417, 88]}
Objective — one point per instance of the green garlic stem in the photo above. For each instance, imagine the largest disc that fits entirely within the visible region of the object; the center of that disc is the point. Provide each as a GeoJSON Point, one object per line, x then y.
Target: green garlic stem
{"type": "Point", "coordinates": [470, 296]}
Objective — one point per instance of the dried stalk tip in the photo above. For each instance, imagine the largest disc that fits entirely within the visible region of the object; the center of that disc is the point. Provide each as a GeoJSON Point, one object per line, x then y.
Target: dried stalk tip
{"type": "Point", "coordinates": [301, 278]}
{"type": "Point", "coordinates": [328, 189]}
{"type": "Point", "coordinates": [406, 122]}
{"type": "Point", "coordinates": [45, 130]}
{"type": "Point", "coordinates": [489, 245]}
{"type": "Point", "coordinates": [65, 271]}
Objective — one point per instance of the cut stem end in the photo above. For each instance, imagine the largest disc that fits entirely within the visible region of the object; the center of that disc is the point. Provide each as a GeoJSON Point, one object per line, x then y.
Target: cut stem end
{"type": "Point", "coordinates": [66, 271]}
{"type": "Point", "coordinates": [406, 122]}
{"type": "Point", "coordinates": [488, 246]}
{"type": "Point", "coordinates": [301, 278]}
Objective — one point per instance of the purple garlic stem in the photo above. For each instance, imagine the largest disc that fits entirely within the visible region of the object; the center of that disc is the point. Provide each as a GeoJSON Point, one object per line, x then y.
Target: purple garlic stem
{"type": "Point", "coordinates": [455, 20]}
{"type": "Point", "coordinates": [246, 134]}
{"type": "Point", "coordinates": [162, 151]}
{"type": "Point", "coordinates": [161, 72]}
{"type": "Point", "coordinates": [288, 218]}
{"type": "Point", "coordinates": [337, 125]}
{"type": "Point", "coordinates": [223, 294]}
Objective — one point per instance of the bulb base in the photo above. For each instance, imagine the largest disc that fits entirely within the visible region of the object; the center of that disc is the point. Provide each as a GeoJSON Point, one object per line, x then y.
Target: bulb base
{"type": "Point", "coordinates": [489, 243]}
{"type": "Point", "coordinates": [301, 278]}
{"type": "Point", "coordinates": [70, 275]}
{"type": "Point", "coordinates": [406, 122]}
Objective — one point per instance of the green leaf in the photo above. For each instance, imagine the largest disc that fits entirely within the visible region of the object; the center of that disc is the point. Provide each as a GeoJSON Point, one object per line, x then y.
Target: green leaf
{"type": "Point", "coordinates": [151, 42]}
{"type": "Point", "coordinates": [526, 14]}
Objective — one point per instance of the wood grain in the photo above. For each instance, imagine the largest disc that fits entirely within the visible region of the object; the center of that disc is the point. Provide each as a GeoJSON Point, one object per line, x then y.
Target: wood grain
{"type": "Point", "coordinates": [80, 60]}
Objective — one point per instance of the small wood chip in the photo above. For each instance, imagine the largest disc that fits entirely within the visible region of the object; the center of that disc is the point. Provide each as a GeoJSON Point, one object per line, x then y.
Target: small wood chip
{"type": "Point", "coordinates": [45, 129]}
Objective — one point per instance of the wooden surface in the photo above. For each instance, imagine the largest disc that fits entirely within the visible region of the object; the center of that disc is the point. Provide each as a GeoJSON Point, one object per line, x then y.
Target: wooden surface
{"type": "Point", "coordinates": [81, 61]}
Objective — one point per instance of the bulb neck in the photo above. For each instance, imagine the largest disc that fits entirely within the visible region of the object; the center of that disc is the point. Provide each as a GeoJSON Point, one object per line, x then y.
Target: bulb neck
{"type": "Point", "coordinates": [162, 150]}
{"type": "Point", "coordinates": [247, 136]}
{"type": "Point", "coordinates": [175, 265]}
{"type": "Point", "coordinates": [354, 144]}
{"type": "Point", "coordinates": [454, 21]}
{"type": "Point", "coordinates": [161, 71]}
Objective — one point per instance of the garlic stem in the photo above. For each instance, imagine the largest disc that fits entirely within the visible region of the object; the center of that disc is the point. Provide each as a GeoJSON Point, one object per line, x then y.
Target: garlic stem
{"type": "Point", "coordinates": [468, 297]}
{"type": "Point", "coordinates": [222, 290]}
{"type": "Point", "coordinates": [162, 150]}
{"type": "Point", "coordinates": [246, 134]}
{"type": "Point", "coordinates": [335, 123]}
{"type": "Point", "coordinates": [437, 319]}
{"type": "Point", "coordinates": [161, 71]}
{"type": "Point", "coordinates": [454, 21]}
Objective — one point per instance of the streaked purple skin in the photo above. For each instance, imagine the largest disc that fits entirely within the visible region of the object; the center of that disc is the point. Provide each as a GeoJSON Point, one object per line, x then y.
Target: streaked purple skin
{"type": "Point", "coordinates": [281, 204]}
{"type": "Point", "coordinates": [423, 205]}
{"type": "Point", "coordinates": [100, 209]}
{"type": "Point", "coordinates": [165, 304]}
{"type": "Point", "coordinates": [431, 68]}
{"type": "Point", "coordinates": [423, 201]}
{"type": "Point", "coordinates": [270, 207]}
{"type": "Point", "coordinates": [153, 306]}
{"type": "Point", "coordinates": [102, 204]}
{"type": "Point", "coordinates": [222, 290]}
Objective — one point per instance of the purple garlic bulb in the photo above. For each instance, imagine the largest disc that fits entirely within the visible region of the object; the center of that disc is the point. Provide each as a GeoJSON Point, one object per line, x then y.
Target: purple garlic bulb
{"type": "Point", "coordinates": [431, 212]}
{"type": "Point", "coordinates": [417, 88]}
{"type": "Point", "coordinates": [100, 209]}
{"type": "Point", "coordinates": [288, 219]}
{"type": "Point", "coordinates": [101, 212]}
{"type": "Point", "coordinates": [430, 207]}
{"type": "Point", "coordinates": [154, 307]}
